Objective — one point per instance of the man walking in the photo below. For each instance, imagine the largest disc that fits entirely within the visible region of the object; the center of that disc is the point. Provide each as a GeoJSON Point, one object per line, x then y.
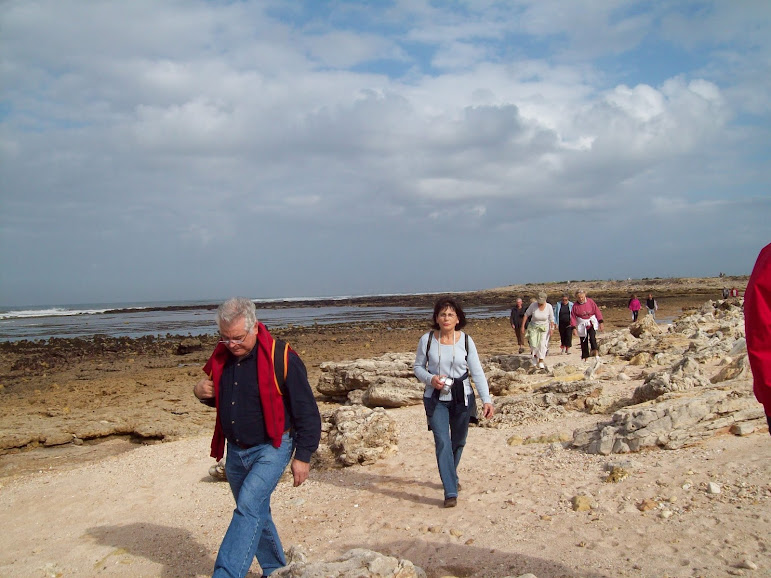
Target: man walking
{"type": "Point", "coordinates": [652, 305]}
{"type": "Point", "coordinates": [264, 422]}
{"type": "Point", "coordinates": [517, 317]}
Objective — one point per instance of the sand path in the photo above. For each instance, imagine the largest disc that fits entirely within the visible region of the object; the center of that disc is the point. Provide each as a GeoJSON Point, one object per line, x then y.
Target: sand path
{"type": "Point", "coordinates": [154, 511]}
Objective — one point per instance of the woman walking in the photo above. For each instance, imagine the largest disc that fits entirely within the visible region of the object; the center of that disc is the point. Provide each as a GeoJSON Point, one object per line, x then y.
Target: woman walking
{"type": "Point", "coordinates": [586, 319]}
{"type": "Point", "coordinates": [562, 318]}
{"type": "Point", "coordinates": [539, 319]}
{"type": "Point", "coordinates": [634, 307]}
{"type": "Point", "coordinates": [443, 361]}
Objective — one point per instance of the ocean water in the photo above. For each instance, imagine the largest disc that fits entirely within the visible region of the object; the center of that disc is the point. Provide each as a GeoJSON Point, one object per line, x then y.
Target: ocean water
{"type": "Point", "coordinates": [187, 318]}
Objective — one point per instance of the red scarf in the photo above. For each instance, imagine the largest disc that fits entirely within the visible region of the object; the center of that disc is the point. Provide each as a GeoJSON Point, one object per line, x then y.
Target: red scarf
{"type": "Point", "coordinates": [270, 393]}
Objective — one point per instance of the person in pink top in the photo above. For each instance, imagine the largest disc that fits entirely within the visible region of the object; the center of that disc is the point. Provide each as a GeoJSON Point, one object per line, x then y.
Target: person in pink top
{"type": "Point", "coordinates": [757, 328]}
{"type": "Point", "coordinates": [634, 307]}
{"type": "Point", "coordinates": [586, 319]}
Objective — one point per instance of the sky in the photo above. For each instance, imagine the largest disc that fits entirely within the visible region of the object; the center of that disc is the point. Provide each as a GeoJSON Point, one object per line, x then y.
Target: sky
{"type": "Point", "coordinates": [203, 149]}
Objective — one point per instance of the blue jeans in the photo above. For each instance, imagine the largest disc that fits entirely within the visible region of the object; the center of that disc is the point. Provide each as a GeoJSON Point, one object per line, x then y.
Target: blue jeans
{"type": "Point", "coordinates": [253, 474]}
{"type": "Point", "coordinates": [450, 431]}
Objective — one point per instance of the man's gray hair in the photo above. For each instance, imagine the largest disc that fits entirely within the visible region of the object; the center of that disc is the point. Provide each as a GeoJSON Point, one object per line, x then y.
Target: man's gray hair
{"type": "Point", "coordinates": [235, 308]}
{"type": "Point", "coordinates": [580, 292]}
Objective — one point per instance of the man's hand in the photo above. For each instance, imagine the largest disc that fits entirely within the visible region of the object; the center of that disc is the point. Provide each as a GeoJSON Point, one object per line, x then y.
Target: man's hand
{"type": "Point", "coordinates": [204, 389]}
{"type": "Point", "coordinates": [300, 471]}
{"type": "Point", "coordinates": [488, 410]}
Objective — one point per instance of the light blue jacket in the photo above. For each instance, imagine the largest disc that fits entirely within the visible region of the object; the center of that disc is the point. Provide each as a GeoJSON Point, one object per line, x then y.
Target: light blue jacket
{"type": "Point", "coordinates": [453, 364]}
{"type": "Point", "coordinates": [557, 307]}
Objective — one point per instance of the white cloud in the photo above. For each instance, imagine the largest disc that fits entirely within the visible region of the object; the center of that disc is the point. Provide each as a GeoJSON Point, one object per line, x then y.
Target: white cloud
{"type": "Point", "coordinates": [192, 124]}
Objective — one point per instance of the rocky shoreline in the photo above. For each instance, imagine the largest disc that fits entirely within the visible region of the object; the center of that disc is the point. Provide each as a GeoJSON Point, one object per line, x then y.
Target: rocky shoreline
{"type": "Point", "coordinates": [79, 391]}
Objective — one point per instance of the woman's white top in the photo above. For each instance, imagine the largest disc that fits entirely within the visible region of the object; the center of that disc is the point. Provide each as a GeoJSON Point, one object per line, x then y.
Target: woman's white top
{"type": "Point", "coordinates": [543, 318]}
{"type": "Point", "coordinates": [450, 360]}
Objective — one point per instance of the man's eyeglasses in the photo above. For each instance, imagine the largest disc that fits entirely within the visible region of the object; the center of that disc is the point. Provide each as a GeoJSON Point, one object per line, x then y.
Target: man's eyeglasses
{"type": "Point", "coordinates": [232, 341]}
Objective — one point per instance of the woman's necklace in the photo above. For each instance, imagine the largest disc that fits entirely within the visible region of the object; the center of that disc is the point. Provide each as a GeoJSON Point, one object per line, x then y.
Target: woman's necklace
{"type": "Point", "coordinates": [452, 361]}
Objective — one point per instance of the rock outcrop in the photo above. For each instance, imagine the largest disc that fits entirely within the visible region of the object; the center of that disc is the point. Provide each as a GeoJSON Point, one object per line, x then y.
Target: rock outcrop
{"type": "Point", "coordinates": [357, 435]}
{"type": "Point", "coordinates": [356, 563]}
{"type": "Point", "coordinates": [672, 421]}
{"type": "Point", "coordinates": [682, 404]}
{"type": "Point", "coordinates": [387, 381]}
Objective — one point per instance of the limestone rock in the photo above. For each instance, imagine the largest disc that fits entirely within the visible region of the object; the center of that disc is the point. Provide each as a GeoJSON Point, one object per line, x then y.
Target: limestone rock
{"type": "Point", "coordinates": [581, 503]}
{"type": "Point", "coordinates": [672, 421]}
{"type": "Point", "coordinates": [505, 373]}
{"type": "Point", "coordinates": [645, 325]}
{"type": "Point", "coordinates": [683, 375]}
{"type": "Point", "coordinates": [742, 429]}
{"type": "Point", "coordinates": [358, 435]}
{"type": "Point", "coordinates": [189, 345]}
{"type": "Point", "coordinates": [391, 392]}
{"type": "Point", "coordinates": [739, 368]}
{"type": "Point", "coordinates": [647, 505]}
{"type": "Point", "coordinates": [217, 471]}
{"type": "Point", "coordinates": [642, 358]}
{"type": "Point", "coordinates": [387, 381]}
{"type": "Point", "coordinates": [356, 563]}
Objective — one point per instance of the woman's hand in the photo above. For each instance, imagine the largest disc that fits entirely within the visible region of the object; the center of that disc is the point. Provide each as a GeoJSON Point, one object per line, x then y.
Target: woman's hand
{"type": "Point", "coordinates": [437, 382]}
{"type": "Point", "coordinates": [488, 410]}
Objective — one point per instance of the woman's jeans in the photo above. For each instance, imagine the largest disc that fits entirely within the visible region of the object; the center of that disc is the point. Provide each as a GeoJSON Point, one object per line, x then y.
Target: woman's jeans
{"type": "Point", "coordinates": [253, 474]}
{"type": "Point", "coordinates": [450, 427]}
{"type": "Point", "coordinates": [634, 314]}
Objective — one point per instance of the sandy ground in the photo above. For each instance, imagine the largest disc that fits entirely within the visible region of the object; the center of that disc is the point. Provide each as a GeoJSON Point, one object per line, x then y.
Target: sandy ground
{"type": "Point", "coordinates": [97, 509]}
{"type": "Point", "coordinates": [155, 511]}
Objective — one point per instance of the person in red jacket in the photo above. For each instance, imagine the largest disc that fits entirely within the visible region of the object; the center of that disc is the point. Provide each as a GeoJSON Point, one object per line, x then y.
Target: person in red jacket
{"type": "Point", "coordinates": [757, 328]}
{"type": "Point", "coordinates": [264, 424]}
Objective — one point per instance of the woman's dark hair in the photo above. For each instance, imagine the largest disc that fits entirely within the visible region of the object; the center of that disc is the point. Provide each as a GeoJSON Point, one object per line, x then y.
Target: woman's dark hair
{"type": "Point", "coordinates": [443, 304]}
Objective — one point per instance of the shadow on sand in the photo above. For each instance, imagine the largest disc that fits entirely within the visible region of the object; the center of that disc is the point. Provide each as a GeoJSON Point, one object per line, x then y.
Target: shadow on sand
{"type": "Point", "coordinates": [174, 549]}
{"type": "Point", "coordinates": [468, 561]}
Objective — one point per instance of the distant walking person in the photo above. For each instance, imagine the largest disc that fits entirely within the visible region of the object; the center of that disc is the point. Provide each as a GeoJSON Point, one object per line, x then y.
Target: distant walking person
{"type": "Point", "coordinates": [539, 319]}
{"type": "Point", "coordinates": [586, 319]}
{"type": "Point", "coordinates": [517, 318]}
{"type": "Point", "coordinates": [757, 328]}
{"type": "Point", "coordinates": [562, 311]}
{"type": "Point", "coordinates": [634, 307]}
{"type": "Point", "coordinates": [652, 306]}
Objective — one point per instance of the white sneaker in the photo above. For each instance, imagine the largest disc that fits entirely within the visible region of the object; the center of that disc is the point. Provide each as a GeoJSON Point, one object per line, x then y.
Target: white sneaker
{"type": "Point", "coordinates": [533, 362]}
{"type": "Point", "coordinates": [541, 365]}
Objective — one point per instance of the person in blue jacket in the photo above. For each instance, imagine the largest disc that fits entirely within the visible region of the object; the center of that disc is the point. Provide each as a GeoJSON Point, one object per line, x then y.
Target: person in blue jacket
{"type": "Point", "coordinates": [562, 310]}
